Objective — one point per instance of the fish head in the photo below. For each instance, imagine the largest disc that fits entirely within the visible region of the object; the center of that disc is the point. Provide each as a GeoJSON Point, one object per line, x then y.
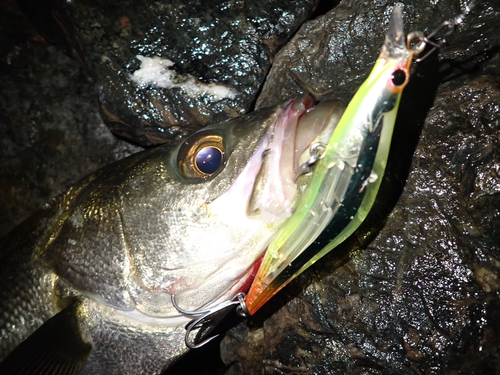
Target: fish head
{"type": "Point", "coordinates": [206, 210]}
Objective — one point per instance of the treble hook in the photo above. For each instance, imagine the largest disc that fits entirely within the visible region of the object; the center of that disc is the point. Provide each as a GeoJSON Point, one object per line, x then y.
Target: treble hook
{"type": "Point", "coordinates": [450, 24]}
{"type": "Point", "coordinates": [202, 316]}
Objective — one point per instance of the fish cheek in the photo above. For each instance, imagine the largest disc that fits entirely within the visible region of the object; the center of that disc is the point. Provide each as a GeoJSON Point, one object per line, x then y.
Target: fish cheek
{"type": "Point", "coordinates": [87, 249]}
{"type": "Point", "coordinates": [160, 231]}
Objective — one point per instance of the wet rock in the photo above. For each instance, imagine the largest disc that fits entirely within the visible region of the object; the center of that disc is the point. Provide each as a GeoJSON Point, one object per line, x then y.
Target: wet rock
{"type": "Point", "coordinates": [244, 345]}
{"type": "Point", "coordinates": [51, 133]}
{"type": "Point", "coordinates": [415, 289]}
{"type": "Point", "coordinates": [165, 69]}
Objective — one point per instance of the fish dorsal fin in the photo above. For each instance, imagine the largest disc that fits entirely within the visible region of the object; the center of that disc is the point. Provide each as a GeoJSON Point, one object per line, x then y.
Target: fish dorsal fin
{"type": "Point", "coordinates": [56, 348]}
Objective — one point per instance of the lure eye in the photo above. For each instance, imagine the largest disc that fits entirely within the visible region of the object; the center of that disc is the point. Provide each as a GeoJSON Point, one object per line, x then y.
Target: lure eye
{"type": "Point", "coordinates": [201, 155]}
{"type": "Point", "coordinates": [398, 77]}
{"type": "Point", "coordinates": [208, 160]}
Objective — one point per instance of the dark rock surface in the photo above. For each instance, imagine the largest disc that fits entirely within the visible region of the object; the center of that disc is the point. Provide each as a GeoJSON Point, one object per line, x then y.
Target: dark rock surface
{"type": "Point", "coordinates": [416, 293]}
{"type": "Point", "coordinates": [51, 133]}
{"type": "Point", "coordinates": [224, 45]}
{"type": "Point", "coordinates": [416, 289]}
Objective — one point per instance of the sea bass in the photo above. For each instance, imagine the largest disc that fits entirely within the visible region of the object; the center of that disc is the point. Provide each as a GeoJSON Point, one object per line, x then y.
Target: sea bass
{"type": "Point", "coordinates": [86, 283]}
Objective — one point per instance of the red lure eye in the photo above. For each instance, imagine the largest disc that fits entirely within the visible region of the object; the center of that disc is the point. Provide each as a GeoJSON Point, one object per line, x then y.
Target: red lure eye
{"type": "Point", "coordinates": [398, 77]}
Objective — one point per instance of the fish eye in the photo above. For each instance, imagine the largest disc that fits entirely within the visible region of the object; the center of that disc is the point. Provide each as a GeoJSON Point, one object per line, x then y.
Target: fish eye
{"type": "Point", "coordinates": [208, 160]}
{"type": "Point", "coordinates": [201, 155]}
{"type": "Point", "coordinates": [398, 77]}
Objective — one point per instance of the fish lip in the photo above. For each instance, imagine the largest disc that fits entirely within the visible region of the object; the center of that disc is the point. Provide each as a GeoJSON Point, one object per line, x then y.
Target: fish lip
{"type": "Point", "coordinates": [241, 285]}
{"type": "Point", "coordinates": [300, 125]}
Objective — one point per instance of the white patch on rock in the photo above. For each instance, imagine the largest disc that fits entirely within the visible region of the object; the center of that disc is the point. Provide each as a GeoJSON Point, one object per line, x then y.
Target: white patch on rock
{"type": "Point", "coordinates": [157, 72]}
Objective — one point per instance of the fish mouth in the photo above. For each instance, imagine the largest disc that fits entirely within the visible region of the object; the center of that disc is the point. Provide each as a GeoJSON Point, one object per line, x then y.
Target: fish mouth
{"type": "Point", "coordinates": [288, 148]}
{"type": "Point", "coordinates": [268, 182]}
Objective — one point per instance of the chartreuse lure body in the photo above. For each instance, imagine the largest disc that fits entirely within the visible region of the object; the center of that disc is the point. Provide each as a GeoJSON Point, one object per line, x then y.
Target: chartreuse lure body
{"type": "Point", "coordinates": [348, 174]}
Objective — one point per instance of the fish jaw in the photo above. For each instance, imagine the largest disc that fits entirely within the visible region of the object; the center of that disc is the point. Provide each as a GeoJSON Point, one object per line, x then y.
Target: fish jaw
{"type": "Point", "coordinates": [257, 194]}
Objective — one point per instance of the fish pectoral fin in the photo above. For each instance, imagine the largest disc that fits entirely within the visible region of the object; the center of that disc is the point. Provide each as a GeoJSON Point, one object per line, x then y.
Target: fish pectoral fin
{"type": "Point", "coordinates": [56, 348]}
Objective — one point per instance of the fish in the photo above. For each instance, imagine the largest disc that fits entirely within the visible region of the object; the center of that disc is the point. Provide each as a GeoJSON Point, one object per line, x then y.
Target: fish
{"type": "Point", "coordinates": [347, 176]}
{"type": "Point", "coordinates": [88, 282]}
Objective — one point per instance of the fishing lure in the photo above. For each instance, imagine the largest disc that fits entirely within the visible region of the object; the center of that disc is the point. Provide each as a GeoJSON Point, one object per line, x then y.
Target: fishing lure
{"type": "Point", "coordinates": [347, 175]}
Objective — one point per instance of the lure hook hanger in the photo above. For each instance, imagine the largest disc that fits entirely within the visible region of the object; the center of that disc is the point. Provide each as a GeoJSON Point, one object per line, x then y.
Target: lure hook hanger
{"type": "Point", "coordinates": [316, 150]}
{"type": "Point", "coordinates": [203, 316]}
{"type": "Point", "coordinates": [451, 25]}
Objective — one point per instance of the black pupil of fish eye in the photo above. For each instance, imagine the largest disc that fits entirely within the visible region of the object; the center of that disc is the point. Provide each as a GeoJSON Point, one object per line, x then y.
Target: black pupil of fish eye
{"type": "Point", "coordinates": [398, 77]}
{"type": "Point", "coordinates": [208, 160]}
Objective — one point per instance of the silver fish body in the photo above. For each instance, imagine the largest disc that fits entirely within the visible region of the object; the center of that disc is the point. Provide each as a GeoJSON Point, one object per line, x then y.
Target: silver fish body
{"type": "Point", "coordinates": [91, 275]}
